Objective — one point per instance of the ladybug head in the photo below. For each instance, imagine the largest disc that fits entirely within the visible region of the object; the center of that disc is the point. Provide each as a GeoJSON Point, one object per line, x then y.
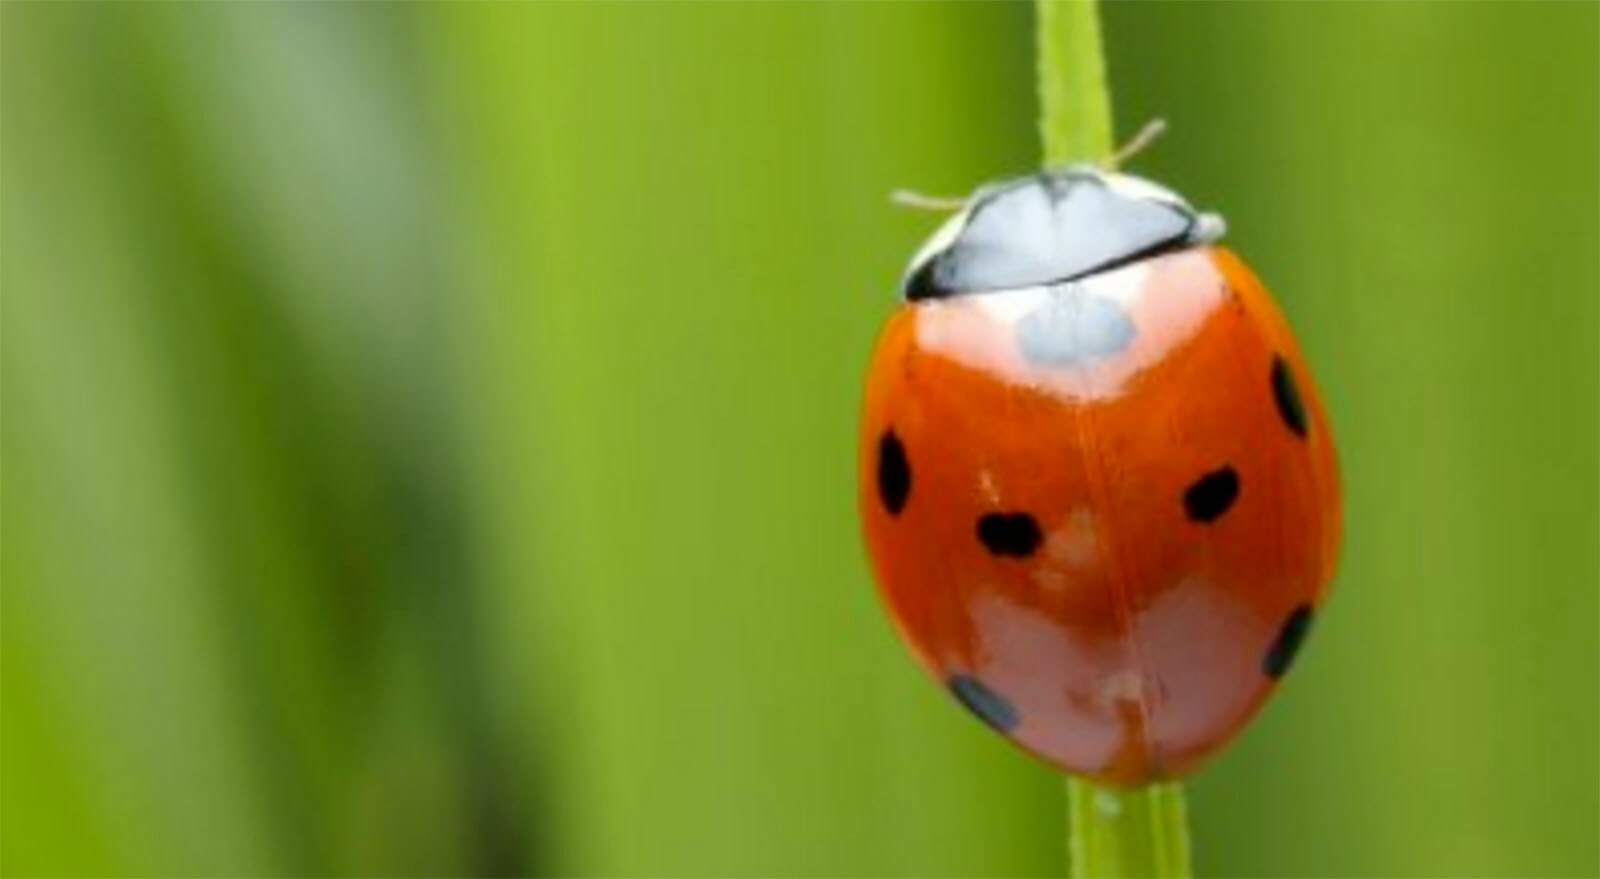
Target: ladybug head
{"type": "Point", "coordinates": [1054, 226]}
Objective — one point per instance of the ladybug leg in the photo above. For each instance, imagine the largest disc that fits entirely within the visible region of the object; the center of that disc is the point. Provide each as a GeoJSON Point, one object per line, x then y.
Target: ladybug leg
{"type": "Point", "coordinates": [907, 198]}
{"type": "Point", "coordinates": [1151, 130]}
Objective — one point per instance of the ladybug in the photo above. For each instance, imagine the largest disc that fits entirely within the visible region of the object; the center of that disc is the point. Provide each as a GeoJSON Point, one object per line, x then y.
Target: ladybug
{"type": "Point", "coordinates": [1097, 486]}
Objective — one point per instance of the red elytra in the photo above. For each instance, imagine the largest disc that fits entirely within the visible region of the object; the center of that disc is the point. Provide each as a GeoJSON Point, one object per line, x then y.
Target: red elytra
{"type": "Point", "coordinates": [1097, 485]}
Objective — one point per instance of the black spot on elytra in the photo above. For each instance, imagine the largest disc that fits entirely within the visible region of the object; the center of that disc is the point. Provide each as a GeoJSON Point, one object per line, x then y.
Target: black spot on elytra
{"type": "Point", "coordinates": [894, 473]}
{"type": "Point", "coordinates": [1009, 534]}
{"type": "Point", "coordinates": [1287, 395]}
{"type": "Point", "coordinates": [990, 707]}
{"type": "Point", "coordinates": [1211, 495]}
{"type": "Point", "coordinates": [1281, 654]}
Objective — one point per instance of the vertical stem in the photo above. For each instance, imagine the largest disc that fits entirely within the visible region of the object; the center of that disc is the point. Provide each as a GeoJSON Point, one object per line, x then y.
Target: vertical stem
{"type": "Point", "coordinates": [1074, 103]}
{"type": "Point", "coordinates": [1123, 833]}
{"type": "Point", "coordinates": [1140, 833]}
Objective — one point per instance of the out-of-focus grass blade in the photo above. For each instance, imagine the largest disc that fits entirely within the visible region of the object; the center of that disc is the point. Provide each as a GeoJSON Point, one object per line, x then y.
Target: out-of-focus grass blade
{"type": "Point", "coordinates": [237, 607]}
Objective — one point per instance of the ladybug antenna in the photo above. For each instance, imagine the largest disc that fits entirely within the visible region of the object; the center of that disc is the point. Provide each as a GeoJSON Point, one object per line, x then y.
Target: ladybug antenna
{"type": "Point", "coordinates": [907, 198]}
{"type": "Point", "coordinates": [1151, 130]}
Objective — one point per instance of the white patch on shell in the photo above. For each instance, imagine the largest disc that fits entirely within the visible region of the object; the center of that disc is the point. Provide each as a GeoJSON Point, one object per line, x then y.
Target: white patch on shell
{"type": "Point", "coordinates": [981, 331]}
{"type": "Point", "coordinates": [1073, 327]}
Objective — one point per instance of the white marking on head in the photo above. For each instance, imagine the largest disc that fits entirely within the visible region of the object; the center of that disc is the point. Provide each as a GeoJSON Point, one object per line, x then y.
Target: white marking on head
{"type": "Point", "coordinates": [1133, 187]}
{"type": "Point", "coordinates": [941, 239]}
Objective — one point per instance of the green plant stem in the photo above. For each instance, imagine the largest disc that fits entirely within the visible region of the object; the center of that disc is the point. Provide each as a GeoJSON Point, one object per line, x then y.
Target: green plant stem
{"type": "Point", "coordinates": [1111, 832]}
{"type": "Point", "coordinates": [1074, 103]}
{"type": "Point", "coordinates": [1127, 833]}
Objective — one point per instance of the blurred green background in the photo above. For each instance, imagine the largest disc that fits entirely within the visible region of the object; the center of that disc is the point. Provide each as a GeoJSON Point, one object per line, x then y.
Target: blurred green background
{"type": "Point", "coordinates": [428, 432]}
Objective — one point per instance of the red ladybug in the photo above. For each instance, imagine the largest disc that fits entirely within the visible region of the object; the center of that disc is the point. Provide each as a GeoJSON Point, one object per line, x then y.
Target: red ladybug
{"type": "Point", "coordinates": [1097, 486]}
